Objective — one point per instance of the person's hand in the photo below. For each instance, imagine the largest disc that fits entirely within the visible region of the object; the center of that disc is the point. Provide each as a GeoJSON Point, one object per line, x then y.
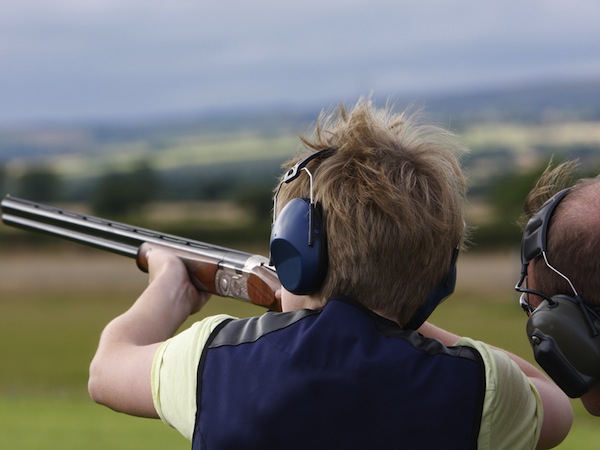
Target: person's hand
{"type": "Point", "coordinates": [163, 265]}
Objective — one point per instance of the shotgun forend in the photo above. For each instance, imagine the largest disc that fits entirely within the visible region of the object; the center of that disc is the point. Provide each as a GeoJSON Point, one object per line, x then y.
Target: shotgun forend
{"type": "Point", "coordinates": [219, 270]}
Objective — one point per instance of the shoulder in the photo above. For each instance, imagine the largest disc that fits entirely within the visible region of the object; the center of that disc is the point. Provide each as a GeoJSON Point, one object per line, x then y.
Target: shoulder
{"type": "Point", "coordinates": [251, 329]}
{"type": "Point", "coordinates": [513, 413]}
{"type": "Point", "coordinates": [500, 368]}
{"type": "Point", "coordinates": [501, 371]}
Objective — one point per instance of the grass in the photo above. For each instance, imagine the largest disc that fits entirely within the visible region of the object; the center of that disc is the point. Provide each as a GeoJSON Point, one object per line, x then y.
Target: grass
{"type": "Point", "coordinates": [66, 422]}
{"type": "Point", "coordinates": [523, 137]}
{"type": "Point", "coordinates": [53, 308]}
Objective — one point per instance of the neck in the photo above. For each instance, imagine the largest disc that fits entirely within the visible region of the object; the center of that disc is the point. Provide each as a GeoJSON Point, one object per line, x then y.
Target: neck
{"type": "Point", "coordinates": [291, 302]}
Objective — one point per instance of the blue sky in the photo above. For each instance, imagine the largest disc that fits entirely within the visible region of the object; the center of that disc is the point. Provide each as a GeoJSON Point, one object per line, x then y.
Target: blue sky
{"type": "Point", "coordinates": [73, 60]}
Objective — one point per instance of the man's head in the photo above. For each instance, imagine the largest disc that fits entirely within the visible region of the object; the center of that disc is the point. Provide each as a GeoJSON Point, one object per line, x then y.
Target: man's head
{"type": "Point", "coordinates": [564, 330]}
{"type": "Point", "coordinates": [391, 192]}
{"type": "Point", "coordinates": [573, 246]}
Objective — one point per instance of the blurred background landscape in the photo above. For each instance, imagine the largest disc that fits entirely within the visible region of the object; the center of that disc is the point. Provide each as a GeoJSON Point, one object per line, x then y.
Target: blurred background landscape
{"type": "Point", "coordinates": [210, 176]}
{"type": "Point", "coordinates": [177, 117]}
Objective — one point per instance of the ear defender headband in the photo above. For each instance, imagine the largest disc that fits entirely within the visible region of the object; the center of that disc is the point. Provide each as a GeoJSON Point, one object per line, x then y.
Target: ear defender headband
{"type": "Point", "coordinates": [298, 244]}
{"type": "Point", "coordinates": [563, 331]}
{"type": "Point", "coordinates": [437, 296]}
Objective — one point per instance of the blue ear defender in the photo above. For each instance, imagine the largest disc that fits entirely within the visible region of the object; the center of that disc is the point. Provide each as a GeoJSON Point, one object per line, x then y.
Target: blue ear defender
{"type": "Point", "coordinates": [298, 245]}
{"type": "Point", "coordinates": [443, 290]}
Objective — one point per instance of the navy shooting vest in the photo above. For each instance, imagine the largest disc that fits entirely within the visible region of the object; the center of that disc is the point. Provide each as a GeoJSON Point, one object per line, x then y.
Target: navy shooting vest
{"type": "Point", "coordinates": [340, 377]}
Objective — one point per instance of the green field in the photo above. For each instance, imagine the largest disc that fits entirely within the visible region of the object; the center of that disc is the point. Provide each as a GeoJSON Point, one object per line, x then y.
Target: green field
{"type": "Point", "coordinates": [53, 307]}
{"type": "Point", "coordinates": [183, 151]}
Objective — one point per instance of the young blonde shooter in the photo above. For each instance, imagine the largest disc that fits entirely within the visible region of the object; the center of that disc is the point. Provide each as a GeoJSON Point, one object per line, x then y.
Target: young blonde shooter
{"type": "Point", "coordinates": [392, 196]}
{"type": "Point", "coordinates": [339, 374]}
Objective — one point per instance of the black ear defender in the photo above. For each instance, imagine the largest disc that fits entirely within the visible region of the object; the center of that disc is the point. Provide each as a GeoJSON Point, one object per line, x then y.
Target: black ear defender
{"type": "Point", "coordinates": [298, 245]}
{"type": "Point", "coordinates": [563, 331]}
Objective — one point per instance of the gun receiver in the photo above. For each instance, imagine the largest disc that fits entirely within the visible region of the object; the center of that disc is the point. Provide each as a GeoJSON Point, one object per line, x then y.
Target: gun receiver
{"type": "Point", "coordinates": [219, 270]}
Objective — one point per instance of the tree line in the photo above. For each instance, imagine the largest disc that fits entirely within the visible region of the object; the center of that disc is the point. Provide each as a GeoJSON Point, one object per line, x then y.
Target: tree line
{"type": "Point", "coordinates": [124, 193]}
{"type": "Point", "coordinates": [120, 194]}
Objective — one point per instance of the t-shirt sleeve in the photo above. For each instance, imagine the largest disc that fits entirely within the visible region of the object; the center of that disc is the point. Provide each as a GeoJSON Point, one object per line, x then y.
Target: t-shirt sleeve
{"type": "Point", "coordinates": [512, 413]}
{"type": "Point", "coordinates": [174, 374]}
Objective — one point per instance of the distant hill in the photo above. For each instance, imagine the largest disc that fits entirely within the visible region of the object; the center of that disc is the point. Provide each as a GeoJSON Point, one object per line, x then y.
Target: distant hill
{"type": "Point", "coordinates": [535, 103]}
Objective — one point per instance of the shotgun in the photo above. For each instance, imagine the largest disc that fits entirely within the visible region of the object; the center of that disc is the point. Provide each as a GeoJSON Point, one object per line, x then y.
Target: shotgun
{"type": "Point", "coordinates": [218, 270]}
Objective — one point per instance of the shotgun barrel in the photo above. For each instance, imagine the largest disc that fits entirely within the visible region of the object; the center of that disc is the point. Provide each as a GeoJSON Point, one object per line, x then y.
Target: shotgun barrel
{"type": "Point", "coordinates": [219, 270]}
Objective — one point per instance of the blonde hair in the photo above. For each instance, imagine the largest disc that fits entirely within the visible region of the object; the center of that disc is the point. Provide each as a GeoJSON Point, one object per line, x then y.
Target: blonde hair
{"type": "Point", "coordinates": [391, 194]}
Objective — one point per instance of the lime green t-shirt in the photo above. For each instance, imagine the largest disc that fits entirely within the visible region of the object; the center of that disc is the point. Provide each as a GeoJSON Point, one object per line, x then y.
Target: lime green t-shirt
{"type": "Point", "coordinates": [512, 412]}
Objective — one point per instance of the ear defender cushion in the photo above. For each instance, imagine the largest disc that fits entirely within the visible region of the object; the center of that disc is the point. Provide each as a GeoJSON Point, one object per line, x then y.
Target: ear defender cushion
{"type": "Point", "coordinates": [437, 296]}
{"type": "Point", "coordinates": [564, 346]}
{"type": "Point", "coordinates": [301, 267]}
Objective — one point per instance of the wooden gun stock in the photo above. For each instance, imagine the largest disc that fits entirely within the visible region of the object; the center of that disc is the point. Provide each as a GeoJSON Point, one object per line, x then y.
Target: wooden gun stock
{"type": "Point", "coordinates": [219, 270]}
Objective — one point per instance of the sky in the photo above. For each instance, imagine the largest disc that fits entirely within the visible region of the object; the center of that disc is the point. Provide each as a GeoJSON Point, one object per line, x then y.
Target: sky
{"type": "Point", "coordinates": [118, 60]}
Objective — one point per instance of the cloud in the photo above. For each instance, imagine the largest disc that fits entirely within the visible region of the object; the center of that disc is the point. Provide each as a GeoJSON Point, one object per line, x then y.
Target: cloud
{"type": "Point", "coordinates": [66, 59]}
